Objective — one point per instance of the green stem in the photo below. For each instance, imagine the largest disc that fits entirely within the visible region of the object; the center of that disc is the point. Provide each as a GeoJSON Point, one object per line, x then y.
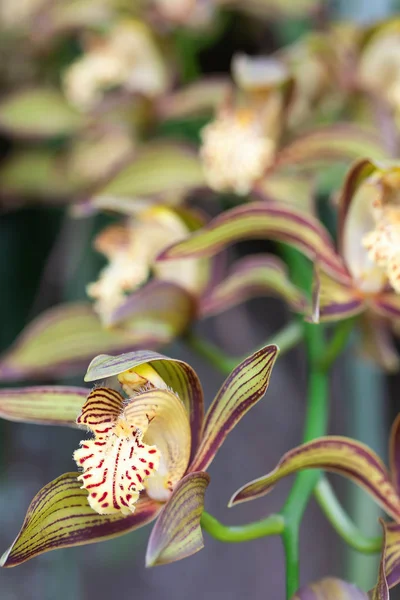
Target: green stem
{"type": "Point", "coordinates": [272, 525]}
{"type": "Point", "coordinates": [337, 343]}
{"type": "Point", "coordinates": [315, 426]}
{"type": "Point", "coordinates": [286, 339]}
{"type": "Point", "coordinates": [341, 522]}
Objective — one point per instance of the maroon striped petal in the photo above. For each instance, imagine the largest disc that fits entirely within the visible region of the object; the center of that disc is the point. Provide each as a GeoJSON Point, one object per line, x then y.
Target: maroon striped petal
{"type": "Point", "coordinates": [244, 387]}
{"type": "Point", "coordinates": [178, 375]}
{"type": "Point", "coordinates": [394, 453]}
{"type": "Point", "coordinates": [335, 300]}
{"type": "Point", "coordinates": [337, 454]}
{"type": "Point", "coordinates": [253, 276]}
{"type": "Point", "coordinates": [177, 532]}
{"type": "Point", "coordinates": [60, 516]}
{"type": "Point", "coordinates": [392, 553]}
{"type": "Point", "coordinates": [263, 220]}
{"type": "Point", "coordinates": [63, 339]}
{"type": "Point", "coordinates": [45, 405]}
{"type": "Point", "coordinates": [381, 590]}
{"type": "Point", "coordinates": [330, 589]}
{"type": "Point", "coordinates": [387, 305]}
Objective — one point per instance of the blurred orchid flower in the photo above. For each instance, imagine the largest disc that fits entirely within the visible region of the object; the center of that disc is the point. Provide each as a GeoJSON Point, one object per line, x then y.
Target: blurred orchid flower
{"type": "Point", "coordinates": [359, 463]}
{"type": "Point", "coordinates": [128, 58]}
{"type": "Point", "coordinates": [195, 14]}
{"type": "Point", "coordinates": [359, 276]}
{"type": "Point", "coordinates": [131, 250]}
{"type": "Point", "coordinates": [147, 457]}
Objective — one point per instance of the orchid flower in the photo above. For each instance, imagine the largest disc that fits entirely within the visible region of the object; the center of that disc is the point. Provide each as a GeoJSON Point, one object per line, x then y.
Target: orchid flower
{"type": "Point", "coordinates": [146, 458]}
{"type": "Point", "coordinates": [331, 588]}
{"type": "Point", "coordinates": [360, 276]}
{"type": "Point", "coordinates": [357, 462]}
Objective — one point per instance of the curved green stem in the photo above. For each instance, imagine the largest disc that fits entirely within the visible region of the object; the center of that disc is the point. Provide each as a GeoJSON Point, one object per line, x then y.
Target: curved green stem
{"type": "Point", "coordinates": [272, 525]}
{"type": "Point", "coordinates": [315, 426]}
{"type": "Point", "coordinates": [341, 522]}
{"type": "Point", "coordinates": [286, 339]}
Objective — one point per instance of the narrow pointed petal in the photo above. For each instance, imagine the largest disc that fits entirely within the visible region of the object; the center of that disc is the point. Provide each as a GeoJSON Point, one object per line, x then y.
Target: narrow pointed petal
{"type": "Point", "coordinates": [330, 589]}
{"type": "Point", "coordinates": [44, 405]}
{"type": "Point", "coordinates": [341, 142]}
{"type": "Point", "coordinates": [381, 590]}
{"type": "Point", "coordinates": [178, 376]}
{"type": "Point", "coordinates": [177, 532]}
{"type": "Point", "coordinates": [394, 453]}
{"type": "Point", "coordinates": [335, 300]}
{"type": "Point", "coordinates": [253, 276]}
{"type": "Point", "coordinates": [243, 388]}
{"type": "Point", "coordinates": [63, 339]}
{"type": "Point", "coordinates": [392, 553]}
{"type": "Point", "coordinates": [169, 430]}
{"type": "Point", "coordinates": [262, 220]}
{"type": "Point", "coordinates": [60, 516]}
{"type": "Point", "coordinates": [341, 455]}
{"type": "Point", "coordinates": [178, 170]}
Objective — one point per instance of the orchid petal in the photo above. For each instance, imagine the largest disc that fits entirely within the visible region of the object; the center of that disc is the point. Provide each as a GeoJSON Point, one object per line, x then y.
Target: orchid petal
{"type": "Point", "coordinates": [381, 590]}
{"type": "Point", "coordinates": [394, 453]}
{"type": "Point", "coordinates": [39, 113]}
{"type": "Point", "coordinates": [243, 388]}
{"type": "Point", "coordinates": [252, 276]}
{"type": "Point", "coordinates": [177, 532]}
{"type": "Point", "coordinates": [198, 98]}
{"type": "Point", "coordinates": [337, 454]}
{"type": "Point", "coordinates": [45, 405]}
{"type": "Point", "coordinates": [169, 430]}
{"type": "Point", "coordinates": [335, 300]}
{"type": "Point", "coordinates": [177, 375]}
{"type": "Point", "coordinates": [178, 170]}
{"type": "Point", "coordinates": [342, 141]}
{"type": "Point", "coordinates": [295, 189]}
{"type": "Point", "coordinates": [60, 516]}
{"type": "Point", "coordinates": [387, 305]}
{"type": "Point", "coordinates": [262, 220]}
{"type": "Point", "coordinates": [62, 339]}
{"type": "Point", "coordinates": [330, 589]}
{"type": "Point", "coordinates": [392, 553]}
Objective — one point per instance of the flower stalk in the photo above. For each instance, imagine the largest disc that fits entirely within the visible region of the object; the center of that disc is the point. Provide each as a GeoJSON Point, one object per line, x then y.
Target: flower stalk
{"type": "Point", "coordinates": [271, 525]}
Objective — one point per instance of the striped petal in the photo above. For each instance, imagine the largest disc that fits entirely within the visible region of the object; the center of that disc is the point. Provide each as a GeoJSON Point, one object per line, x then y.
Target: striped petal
{"type": "Point", "coordinates": [263, 220]}
{"type": "Point", "coordinates": [394, 453]}
{"type": "Point", "coordinates": [63, 339]}
{"type": "Point", "coordinates": [330, 589]}
{"type": "Point", "coordinates": [252, 276]}
{"type": "Point", "coordinates": [392, 558]}
{"type": "Point", "coordinates": [176, 374]}
{"type": "Point", "coordinates": [177, 532]}
{"type": "Point", "coordinates": [60, 516]}
{"type": "Point", "coordinates": [337, 454]}
{"type": "Point", "coordinates": [335, 300]}
{"type": "Point", "coordinates": [381, 590]}
{"type": "Point", "coordinates": [340, 142]}
{"type": "Point", "coordinates": [44, 405]}
{"type": "Point", "coordinates": [178, 170]}
{"type": "Point", "coordinates": [243, 388]}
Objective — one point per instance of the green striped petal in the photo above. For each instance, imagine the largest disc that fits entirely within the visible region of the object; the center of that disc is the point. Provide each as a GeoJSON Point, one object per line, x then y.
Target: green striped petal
{"type": "Point", "coordinates": [330, 589]}
{"type": "Point", "coordinates": [337, 454]}
{"type": "Point", "coordinates": [63, 339]}
{"type": "Point", "coordinates": [340, 142]}
{"type": "Point", "coordinates": [178, 375]}
{"type": "Point", "coordinates": [263, 220]}
{"type": "Point", "coordinates": [44, 405]}
{"type": "Point", "coordinates": [244, 387]}
{"type": "Point", "coordinates": [38, 112]}
{"type": "Point", "coordinates": [250, 277]}
{"type": "Point", "coordinates": [60, 516]}
{"type": "Point", "coordinates": [177, 532]}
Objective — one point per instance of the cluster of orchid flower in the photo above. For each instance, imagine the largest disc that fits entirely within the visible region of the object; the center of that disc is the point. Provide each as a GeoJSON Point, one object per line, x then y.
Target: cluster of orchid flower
{"type": "Point", "coordinates": [271, 136]}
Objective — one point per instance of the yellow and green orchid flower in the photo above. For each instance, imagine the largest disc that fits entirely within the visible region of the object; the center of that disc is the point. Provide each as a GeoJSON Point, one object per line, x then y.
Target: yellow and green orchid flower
{"type": "Point", "coordinates": [359, 463]}
{"type": "Point", "coordinates": [146, 459]}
